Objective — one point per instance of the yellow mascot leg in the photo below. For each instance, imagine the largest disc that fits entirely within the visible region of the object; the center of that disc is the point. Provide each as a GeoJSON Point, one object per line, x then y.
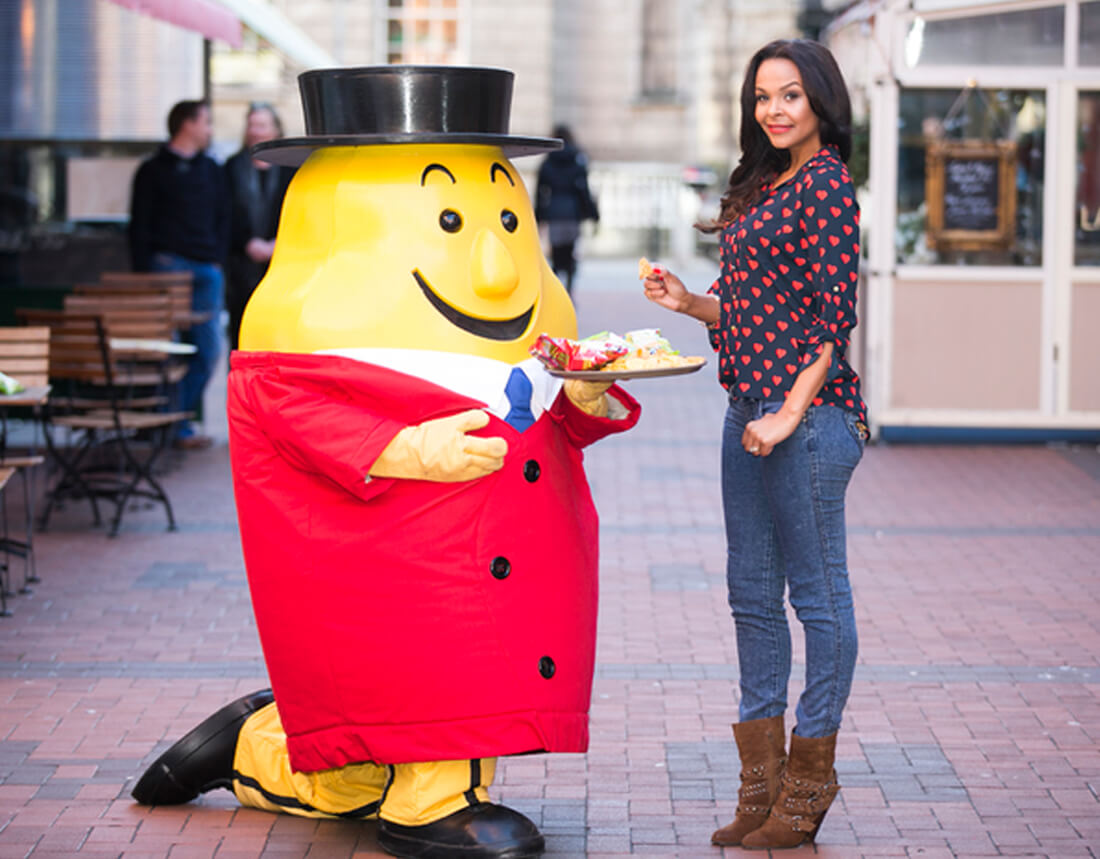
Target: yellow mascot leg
{"type": "Point", "coordinates": [426, 792]}
{"type": "Point", "coordinates": [263, 777]}
{"type": "Point", "coordinates": [409, 794]}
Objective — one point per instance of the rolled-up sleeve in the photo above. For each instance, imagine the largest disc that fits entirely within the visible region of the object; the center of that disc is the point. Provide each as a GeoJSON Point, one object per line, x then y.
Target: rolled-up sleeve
{"type": "Point", "coordinates": [831, 218]}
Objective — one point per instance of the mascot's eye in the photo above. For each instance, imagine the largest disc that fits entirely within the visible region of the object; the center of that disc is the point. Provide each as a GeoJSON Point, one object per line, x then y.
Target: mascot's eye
{"type": "Point", "coordinates": [509, 219]}
{"type": "Point", "coordinates": [450, 220]}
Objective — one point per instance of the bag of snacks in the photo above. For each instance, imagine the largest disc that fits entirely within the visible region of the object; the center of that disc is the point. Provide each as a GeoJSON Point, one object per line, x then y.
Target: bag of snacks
{"type": "Point", "coordinates": [643, 349]}
{"type": "Point", "coordinates": [591, 353]}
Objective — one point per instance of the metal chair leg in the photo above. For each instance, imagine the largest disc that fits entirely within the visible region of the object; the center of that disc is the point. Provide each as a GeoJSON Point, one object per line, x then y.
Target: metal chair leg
{"type": "Point", "coordinates": [143, 471]}
{"type": "Point", "coordinates": [30, 573]}
{"type": "Point", "coordinates": [5, 565]}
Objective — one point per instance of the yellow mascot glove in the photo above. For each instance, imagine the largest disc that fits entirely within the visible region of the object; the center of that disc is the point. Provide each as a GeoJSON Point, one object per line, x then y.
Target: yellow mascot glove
{"type": "Point", "coordinates": [589, 397]}
{"type": "Point", "coordinates": [439, 450]}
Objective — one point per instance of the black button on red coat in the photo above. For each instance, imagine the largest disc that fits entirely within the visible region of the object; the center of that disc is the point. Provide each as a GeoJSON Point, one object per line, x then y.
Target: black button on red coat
{"type": "Point", "coordinates": [531, 470]}
{"type": "Point", "coordinates": [500, 567]}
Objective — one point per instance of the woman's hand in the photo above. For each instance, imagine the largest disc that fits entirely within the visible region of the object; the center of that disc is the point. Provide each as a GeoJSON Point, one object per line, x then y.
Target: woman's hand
{"type": "Point", "coordinates": [666, 289]}
{"type": "Point", "coordinates": [763, 434]}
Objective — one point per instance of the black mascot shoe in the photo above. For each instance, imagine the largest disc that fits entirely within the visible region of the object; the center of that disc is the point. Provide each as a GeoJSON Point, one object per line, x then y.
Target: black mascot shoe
{"type": "Point", "coordinates": [203, 759]}
{"type": "Point", "coordinates": [482, 831]}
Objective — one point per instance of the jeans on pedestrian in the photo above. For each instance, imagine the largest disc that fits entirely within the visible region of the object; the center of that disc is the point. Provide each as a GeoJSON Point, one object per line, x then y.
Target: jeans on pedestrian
{"type": "Point", "coordinates": [785, 530]}
{"type": "Point", "coordinates": [207, 297]}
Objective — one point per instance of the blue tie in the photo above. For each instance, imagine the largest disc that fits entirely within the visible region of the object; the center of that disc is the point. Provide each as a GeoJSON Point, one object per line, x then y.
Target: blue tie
{"type": "Point", "coordinates": [518, 391]}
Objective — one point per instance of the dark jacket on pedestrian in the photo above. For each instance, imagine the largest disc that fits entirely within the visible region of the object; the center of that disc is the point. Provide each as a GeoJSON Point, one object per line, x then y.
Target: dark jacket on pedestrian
{"type": "Point", "coordinates": [562, 193]}
{"type": "Point", "coordinates": [255, 201]}
{"type": "Point", "coordinates": [178, 206]}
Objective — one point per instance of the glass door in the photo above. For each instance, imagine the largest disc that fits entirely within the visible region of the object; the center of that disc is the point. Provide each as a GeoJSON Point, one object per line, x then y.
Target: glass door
{"type": "Point", "coordinates": [1086, 246]}
{"type": "Point", "coordinates": [1082, 382]}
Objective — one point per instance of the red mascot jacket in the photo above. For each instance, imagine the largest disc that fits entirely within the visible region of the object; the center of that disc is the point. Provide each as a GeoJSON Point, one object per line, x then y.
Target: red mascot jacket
{"type": "Point", "coordinates": [406, 620]}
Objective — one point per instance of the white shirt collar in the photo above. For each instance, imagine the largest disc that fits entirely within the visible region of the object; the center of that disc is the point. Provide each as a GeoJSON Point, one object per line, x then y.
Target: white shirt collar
{"type": "Point", "coordinates": [473, 376]}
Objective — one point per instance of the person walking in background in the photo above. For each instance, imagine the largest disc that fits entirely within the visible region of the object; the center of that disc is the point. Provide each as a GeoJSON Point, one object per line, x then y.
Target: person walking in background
{"type": "Point", "coordinates": [179, 222]}
{"type": "Point", "coordinates": [563, 200]}
{"type": "Point", "coordinates": [256, 190]}
{"type": "Point", "coordinates": [780, 316]}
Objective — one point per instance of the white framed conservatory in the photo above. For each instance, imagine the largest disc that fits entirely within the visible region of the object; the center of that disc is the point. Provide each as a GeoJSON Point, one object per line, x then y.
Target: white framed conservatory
{"type": "Point", "coordinates": [974, 326]}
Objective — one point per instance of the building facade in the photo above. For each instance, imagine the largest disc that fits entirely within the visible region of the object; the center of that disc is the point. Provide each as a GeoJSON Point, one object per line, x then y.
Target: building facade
{"type": "Point", "coordinates": [648, 86]}
{"type": "Point", "coordinates": [640, 80]}
{"type": "Point", "coordinates": [983, 229]}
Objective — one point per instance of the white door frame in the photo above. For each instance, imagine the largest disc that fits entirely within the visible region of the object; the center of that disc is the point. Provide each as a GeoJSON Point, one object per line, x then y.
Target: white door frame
{"type": "Point", "coordinates": [1057, 274]}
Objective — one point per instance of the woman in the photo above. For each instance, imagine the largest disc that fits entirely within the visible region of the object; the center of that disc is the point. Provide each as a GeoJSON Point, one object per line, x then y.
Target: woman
{"type": "Point", "coordinates": [563, 200]}
{"type": "Point", "coordinates": [256, 191]}
{"type": "Point", "coordinates": [779, 317]}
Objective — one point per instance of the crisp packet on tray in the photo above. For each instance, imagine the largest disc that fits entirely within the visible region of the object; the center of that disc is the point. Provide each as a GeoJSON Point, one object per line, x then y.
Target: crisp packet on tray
{"type": "Point", "coordinates": [645, 342]}
{"type": "Point", "coordinates": [591, 353]}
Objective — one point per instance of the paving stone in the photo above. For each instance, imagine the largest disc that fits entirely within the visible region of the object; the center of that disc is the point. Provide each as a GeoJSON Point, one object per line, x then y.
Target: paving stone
{"type": "Point", "coordinates": [971, 731]}
{"type": "Point", "coordinates": [57, 788]}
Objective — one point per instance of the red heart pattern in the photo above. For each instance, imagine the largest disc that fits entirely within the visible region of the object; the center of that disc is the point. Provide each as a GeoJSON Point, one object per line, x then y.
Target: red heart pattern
{"type": "Point", "coordinates": [795, 249]}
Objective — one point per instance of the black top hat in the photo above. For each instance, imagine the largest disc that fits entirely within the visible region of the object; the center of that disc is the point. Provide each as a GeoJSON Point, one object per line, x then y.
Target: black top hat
{"type": "Point", "coordinates": [403, 104]}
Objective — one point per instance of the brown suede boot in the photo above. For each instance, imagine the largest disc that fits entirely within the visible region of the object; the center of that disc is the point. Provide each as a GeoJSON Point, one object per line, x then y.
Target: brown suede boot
{"type": "Point", "coordinates": [808, 789]}
{"type": "Point", "coordinates": [760, 744]}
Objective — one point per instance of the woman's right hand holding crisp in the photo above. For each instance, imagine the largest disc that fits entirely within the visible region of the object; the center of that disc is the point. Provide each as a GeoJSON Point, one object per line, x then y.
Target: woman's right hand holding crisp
{"type": "Point", "coordinates": [666, 289]}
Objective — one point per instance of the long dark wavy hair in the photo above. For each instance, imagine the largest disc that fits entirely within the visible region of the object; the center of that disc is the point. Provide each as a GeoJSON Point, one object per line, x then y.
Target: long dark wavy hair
{"type": "Point", "coordinates": [760, 161]}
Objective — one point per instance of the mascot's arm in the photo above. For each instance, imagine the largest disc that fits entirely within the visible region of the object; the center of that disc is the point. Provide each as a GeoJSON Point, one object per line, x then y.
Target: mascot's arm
{"type": "Point", "coordinates": [589, 397]}
{"type": "Point", "coordinates": [361, 438]}
{"type": "Point", "coordinates": [313, 425]}
{"type": "Point", "coordinates": [588, 411]}
{"type": "Point", "coordinates": [440, 450]}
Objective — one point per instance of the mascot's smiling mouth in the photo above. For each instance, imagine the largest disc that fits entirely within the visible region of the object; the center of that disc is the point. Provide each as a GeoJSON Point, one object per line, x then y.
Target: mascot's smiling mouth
{"type": "Point", "coordinates": [492, 329]}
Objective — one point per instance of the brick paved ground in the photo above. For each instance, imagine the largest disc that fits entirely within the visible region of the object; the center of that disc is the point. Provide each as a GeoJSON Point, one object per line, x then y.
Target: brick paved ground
{"type": "Point", "coordinates": [973, 729]}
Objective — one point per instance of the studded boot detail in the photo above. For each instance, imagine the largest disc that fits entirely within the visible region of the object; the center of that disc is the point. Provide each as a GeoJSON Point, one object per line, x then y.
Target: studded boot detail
{"type": "Point", "coordinates": [808, 788]}
{"type": "Point", "coordinates": [763, 758]}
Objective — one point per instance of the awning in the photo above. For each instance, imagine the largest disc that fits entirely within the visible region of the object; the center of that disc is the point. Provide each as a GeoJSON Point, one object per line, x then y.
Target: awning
{"type": "Point", "coordinates": [202, 16]}
{"type": "Point", "coordinates": [287, 38]}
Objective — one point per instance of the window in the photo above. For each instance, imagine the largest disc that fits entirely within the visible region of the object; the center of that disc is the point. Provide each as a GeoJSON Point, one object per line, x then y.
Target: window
{"type": "Point", "coordinates": [1088, 45]}
{"type": "Point", "coordinates": [1034, 37]}
{"type": "Point", "coordinates": [932, 114]}
{"type": "Point", "coordinates": [1087, 233]}
{"type": "Point", "coordinates": [423, 31]}
{"type": "Point", "coordinates": [658, 49]}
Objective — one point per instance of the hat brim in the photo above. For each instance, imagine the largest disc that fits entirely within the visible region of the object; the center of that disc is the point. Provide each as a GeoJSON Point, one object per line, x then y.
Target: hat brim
{"type": "Point", "coordinates": [293, 151]}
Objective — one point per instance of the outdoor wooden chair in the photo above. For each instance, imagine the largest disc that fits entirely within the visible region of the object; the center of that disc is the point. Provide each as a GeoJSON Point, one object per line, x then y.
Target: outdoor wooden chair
{"type": "Point", "coordinates": [137, 317]}
{"type": "Point", "coordinates": [177, 284]}
{"type": "Point", "coordinates": [111, 447]}
{"type": "Point", "coordinates": [174, 284]}
{"type": "Point", "coordinates": [24, 355]}
{"type": "Point", "coordinates": [127, 314]}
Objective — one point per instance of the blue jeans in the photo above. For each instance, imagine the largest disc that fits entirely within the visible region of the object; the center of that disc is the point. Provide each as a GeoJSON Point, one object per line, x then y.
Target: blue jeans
{"type": "Point", "coordinates": [785, 529]}
{"type": "Point", "coordinates": [207, 296]}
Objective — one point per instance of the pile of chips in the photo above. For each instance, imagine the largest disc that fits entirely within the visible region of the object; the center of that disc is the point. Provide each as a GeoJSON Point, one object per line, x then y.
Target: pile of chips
{"type": "Point", "coordinates": [645, 348]}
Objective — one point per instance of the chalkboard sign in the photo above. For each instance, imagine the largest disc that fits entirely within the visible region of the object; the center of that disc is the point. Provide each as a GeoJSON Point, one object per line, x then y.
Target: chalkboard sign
{"type": "Point", "coordinates": [971, 194]}
{"type": "Point", "coordinates": [971, 190]}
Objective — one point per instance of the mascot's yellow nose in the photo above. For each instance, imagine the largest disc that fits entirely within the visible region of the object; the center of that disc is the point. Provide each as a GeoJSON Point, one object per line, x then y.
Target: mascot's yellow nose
{"type": "Point", "coordinates": [493, 272]}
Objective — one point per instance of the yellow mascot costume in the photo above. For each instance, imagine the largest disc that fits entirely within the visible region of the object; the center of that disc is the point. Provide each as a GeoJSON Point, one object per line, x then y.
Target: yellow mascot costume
{"type": "Point", "coordinates": [420, 539]}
